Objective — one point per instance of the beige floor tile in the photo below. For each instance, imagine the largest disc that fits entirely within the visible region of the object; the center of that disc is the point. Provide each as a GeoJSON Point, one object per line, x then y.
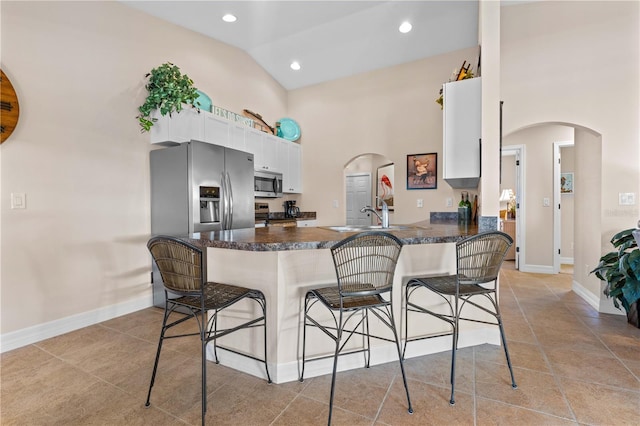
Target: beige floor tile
{"type": "Point", "coordinates": [497, 413]}
{"type": "Point", "coordinates": [360, 391]}
{"type": "Point", "coordinates": [568, 361]}
{"type": "Point", "coordinates": [622, 346]}
{"type": "Point", "coordinates": [536, 391]}
{"type": "Point", "coordinates": [430, 406]}
{"type": "Point", "coordinates": [522, 355]}
{"type": "Point", "coordinates": [31, 397]}
{"type": "Point", "coordinates": [245, 401]}
{"type": "Point", "coordinates": [436, 369]}
{"type": "Point", "coordinates": [602, 405]}
{"type": "Point", "coordinates": [308, 412]}
{"type": "Point", "coordinates": [591, 367]}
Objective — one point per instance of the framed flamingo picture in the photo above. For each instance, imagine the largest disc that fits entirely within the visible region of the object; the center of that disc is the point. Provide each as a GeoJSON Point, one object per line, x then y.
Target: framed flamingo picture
{"type": "Point", "coordinates": [385, 186]}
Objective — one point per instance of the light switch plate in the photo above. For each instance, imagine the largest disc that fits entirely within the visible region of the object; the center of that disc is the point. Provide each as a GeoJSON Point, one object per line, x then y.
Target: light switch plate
{"type": "Point", "coordinates": [18, 200]}
{"type": "Point", "coordinates": [627, 198]}
{"type": "Point", "coordinates": [546, 202]}
{"type": "Point", "coordinates": [420, 202]}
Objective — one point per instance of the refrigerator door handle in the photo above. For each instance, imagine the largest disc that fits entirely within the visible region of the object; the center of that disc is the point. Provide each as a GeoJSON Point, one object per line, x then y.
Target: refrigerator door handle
{"type": "Point", "coordinates": [230, 192]}
{"type": "Point", "coordinates": [224, 202]}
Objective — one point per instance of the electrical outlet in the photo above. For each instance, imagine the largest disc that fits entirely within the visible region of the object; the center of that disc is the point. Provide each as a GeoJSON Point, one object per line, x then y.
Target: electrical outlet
{"type": "Point", "coordinates": [420, 202]}
{"type": "Point", "coordinates": [335, 204]}
{"type": "Point", "coordinates": [18, 200]}
{"type": "Point", "coordinates": [546, 202]}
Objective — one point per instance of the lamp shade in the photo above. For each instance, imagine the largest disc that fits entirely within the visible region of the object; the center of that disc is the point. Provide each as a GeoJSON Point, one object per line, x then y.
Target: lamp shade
{"type": "Point", "coordinates": [506, 195]}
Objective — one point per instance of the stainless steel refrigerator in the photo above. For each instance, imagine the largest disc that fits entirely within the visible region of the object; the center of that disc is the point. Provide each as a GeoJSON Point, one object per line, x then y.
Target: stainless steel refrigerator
{"type": "Point", "coordinates": [199, 187]}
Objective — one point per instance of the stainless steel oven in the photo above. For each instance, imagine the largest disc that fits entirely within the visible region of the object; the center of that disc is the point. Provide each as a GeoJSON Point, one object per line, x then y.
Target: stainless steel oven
{"type": "Point", "coordinates": [267, 184]}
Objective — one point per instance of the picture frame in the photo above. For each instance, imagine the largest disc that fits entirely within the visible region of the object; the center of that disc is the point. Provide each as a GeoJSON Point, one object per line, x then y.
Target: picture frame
{"type": "Point", "coordinates": [566, 183]}
{"type": "Point", "coordinates": [422, 171]}
{"type": "Point", "coordinates": [385, 184]}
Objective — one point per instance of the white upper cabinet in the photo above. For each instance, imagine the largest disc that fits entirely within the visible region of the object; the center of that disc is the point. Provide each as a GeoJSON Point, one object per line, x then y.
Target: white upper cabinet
{"type": "Point", "coordinates": [264, 148]}
{"type": "Point", "coordinates": [462, 130]}
{"type": "Point", "coordinates": [269, 152]}
{"type": "Point", "coordinates": [236, 136]}
{"type": "Point", "coordinates": [180, 127]}
{"type": "Point", "coordinates": [216, 130]}
{"type": "Point", "coordinates": [292, 178]}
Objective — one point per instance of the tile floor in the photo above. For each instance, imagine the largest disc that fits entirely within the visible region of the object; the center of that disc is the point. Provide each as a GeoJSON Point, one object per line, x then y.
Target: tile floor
{"type": "Point", "coordinates": [572, 365]}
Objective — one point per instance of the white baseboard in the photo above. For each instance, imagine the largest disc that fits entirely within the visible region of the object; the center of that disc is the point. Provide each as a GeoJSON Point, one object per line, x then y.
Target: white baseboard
{"type": "Point", "coordinates": [588, 297]}
{"type": "Point", "coordinates": [600, 304]}
{"type": "Point", "coordinates": [566, 260]}
{"type": "Point", "coordinates": [536, 269]}
{"type": "Point", "coordinates": [380, 354]}
{"type": "Point", "coordinates": [36, 333]}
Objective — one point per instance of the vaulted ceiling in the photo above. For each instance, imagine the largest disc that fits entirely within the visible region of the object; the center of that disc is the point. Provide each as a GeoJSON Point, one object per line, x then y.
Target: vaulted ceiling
{"type": "Point", "coordinates": [329, 39]}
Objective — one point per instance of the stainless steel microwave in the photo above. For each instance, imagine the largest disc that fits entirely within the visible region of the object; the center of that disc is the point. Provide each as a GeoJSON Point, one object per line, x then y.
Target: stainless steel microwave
{"type": "Point", "coordinates": [267, 184]}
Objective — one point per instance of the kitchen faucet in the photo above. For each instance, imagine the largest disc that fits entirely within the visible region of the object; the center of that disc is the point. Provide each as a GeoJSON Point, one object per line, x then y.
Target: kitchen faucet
{"type": "Point", "coordinates": [384, 219]}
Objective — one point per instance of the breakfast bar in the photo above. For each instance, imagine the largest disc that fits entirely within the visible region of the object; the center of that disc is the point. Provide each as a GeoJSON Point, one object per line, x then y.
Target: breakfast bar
{"type": "Point", "coordinates": [285, 262]}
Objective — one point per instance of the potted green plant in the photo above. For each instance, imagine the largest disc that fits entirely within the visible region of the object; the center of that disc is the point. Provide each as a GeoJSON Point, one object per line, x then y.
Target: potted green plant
{"type": "Point", "coordinates": [620, 269]}
{"type": "Point", "coordinates": [168, 89]}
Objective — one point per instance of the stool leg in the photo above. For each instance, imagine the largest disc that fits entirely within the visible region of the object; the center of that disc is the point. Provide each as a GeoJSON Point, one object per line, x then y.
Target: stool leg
{"type": "Point", "coordinates": [304, 335]}
{"type": "Point", "coordinates": [160, 340]}
{"type": "Point", "coordinates": [203, 341]}
{"type": "Point", "coordinates": [335, 368]}
{"type": "Point", "coordinates": [506, 350]}
{"type": "Point", "coordinates": [400, 358]}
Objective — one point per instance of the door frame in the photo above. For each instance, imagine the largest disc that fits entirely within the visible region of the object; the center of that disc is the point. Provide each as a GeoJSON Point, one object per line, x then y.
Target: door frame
{"type": "Point", "coordinates": [519, 152]}
{"type": "Point", "coordinates": [557, 201]}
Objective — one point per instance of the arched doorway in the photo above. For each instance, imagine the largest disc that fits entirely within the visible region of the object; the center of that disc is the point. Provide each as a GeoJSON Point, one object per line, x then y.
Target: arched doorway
{"type": "Point", "coordinates": [360, 190]}
{"type": "Point", "coordinates": [540, 205]}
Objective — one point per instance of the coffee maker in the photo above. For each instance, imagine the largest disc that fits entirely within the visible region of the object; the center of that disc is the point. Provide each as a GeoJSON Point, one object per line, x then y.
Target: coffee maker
{"type": "Point", "coordinates": [290, 209]}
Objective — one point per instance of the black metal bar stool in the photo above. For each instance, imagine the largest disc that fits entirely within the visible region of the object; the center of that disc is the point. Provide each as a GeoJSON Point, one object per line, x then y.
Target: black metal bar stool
{"type": "Point", "coordinates": [478, 259]}
{"type": "Point", "coordinates": [183, 273]}
{"type": "Point", "coordinates": [365, 264]}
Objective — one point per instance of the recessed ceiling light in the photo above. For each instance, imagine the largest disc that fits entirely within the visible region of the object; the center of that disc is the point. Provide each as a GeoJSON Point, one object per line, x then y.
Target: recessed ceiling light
{"type": "Point", "coordinates": [295, 65]}
{"type": "Point", "coordinates": [405, 27]}
{"type": "Point", "coordinates": [229, 18]}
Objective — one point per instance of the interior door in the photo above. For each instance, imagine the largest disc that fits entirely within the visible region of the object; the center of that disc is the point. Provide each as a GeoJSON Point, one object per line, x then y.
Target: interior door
{"type": "Point", "coordinates": [358, 188]}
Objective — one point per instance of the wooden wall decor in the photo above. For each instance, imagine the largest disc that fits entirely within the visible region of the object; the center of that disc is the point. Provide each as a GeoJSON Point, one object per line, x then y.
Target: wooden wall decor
{"type": "Point", "coordinates": [9, 108]}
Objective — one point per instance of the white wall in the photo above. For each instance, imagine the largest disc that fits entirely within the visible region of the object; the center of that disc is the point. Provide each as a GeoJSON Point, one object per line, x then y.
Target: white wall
{"type": "Point", "coordinates": [576, 63]}
{"type": "Point", "coordinates": [78, 154]}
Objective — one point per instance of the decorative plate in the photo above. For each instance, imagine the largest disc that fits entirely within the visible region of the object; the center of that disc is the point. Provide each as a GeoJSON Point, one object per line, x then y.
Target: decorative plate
{"type": "Point", "coordinates": [290, 129]}
{"type": "Point", "coordinates": [205, 101]}
{"type": "Point", "coordinates": [9, 108]}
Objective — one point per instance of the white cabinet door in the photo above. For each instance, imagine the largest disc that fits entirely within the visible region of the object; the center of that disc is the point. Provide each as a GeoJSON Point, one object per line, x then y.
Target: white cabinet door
{"type": "Point", "coordinates": [292, 179]}
{"type": "Point", "coordinates": [462, 126]}
{"type": "Point", "coordinates": [264, 148]}
{"type": "Point", "coordinates": [180, 127]}
{"type": "Point", "coordinates": [216, 130]}
{"type": "Point", "coordinates": [270, 153]}
{"type": "Point", "coordinates": [236, 136]}
{"type": "Point", "coordinates": [253, 142]}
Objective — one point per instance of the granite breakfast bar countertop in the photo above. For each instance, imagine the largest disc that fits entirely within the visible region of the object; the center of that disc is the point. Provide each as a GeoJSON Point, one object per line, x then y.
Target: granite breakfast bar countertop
{"type": "Point", "coordinates": [284, 263]}
{"type": "Point", "coordinates": [309, 238]}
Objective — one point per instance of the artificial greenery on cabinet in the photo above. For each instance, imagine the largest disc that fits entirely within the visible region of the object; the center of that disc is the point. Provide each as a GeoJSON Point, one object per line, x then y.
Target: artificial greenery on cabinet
{"type": "Point", "coordinates": [168, 89]}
